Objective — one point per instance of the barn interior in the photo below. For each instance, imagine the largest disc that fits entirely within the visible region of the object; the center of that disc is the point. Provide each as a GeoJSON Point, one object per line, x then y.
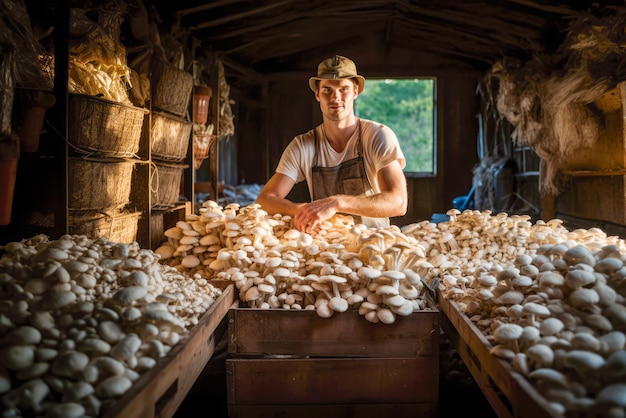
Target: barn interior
{"type": "Point", "coordinates": [529, 116]}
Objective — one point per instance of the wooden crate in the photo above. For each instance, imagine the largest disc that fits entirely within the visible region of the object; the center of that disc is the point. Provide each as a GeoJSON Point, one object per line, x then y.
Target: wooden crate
{"type": "Point", "coordinates": [508, 392]}
{"type": "Point", "coordinates": [294, 363]}
{"type": "Point", "coordinates": [160, 391]}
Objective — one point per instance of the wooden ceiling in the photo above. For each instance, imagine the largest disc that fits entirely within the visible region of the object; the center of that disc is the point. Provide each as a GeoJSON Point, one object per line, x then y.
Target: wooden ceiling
{"type": "Point", "coordinates": [266, 35]}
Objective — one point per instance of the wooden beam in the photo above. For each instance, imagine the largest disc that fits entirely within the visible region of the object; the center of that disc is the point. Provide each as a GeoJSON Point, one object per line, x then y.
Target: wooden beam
{"type": "Point", "coordinates": [565, 11]}
{"type": "Point", "coordinates": [236, 16]}
{"type": "Point", "coordinates": [206, 6]}
{"type": "Point", "coordinates": [226, 61]}
{"type": "Point", "coordinates": [353, 12]}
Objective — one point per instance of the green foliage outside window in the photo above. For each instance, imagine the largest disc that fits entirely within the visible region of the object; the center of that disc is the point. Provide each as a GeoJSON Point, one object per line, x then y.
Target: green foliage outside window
{"type": "Point", "coordinates": [407, 107]}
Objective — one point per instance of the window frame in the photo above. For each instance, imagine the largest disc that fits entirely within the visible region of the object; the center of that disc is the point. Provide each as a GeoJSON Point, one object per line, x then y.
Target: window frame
{"type": "Point", "coordinates": [417, 174]}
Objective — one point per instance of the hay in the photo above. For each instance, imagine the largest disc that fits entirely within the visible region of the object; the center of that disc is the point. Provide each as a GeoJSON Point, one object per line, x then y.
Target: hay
{"type": "Point", "coordinates": [225, 127]}
{"type": "Point", "coordinates": [570, 125]}
{"type": "Point", "coordinates": [97, 60]}
{"type": "Point", "coordinates": [550, 109]}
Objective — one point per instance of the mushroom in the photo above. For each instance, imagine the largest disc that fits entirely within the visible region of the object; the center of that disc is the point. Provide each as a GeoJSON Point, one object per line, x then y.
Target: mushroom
{"type": "Point", "coordinates": [534, 310]}
{"type": "Point", "coordinates": [613, 395]}
{"type": "Point", "coordinates": [508, 334]}
{"type": "Point", "coordinates": [552, 376]}
{"type": "Point", "coordinates": [336, 302]}
{"type": "Point", "coordinates": [540, 356]}
{"type": "Point", "coordinates": [550, 326]}
{"type": "Point", "coordinates": [586, 363]}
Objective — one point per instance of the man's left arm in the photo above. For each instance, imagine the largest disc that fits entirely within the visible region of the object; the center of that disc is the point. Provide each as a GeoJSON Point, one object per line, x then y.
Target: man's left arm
{"type": "Point", "coordinates": [390, 202]}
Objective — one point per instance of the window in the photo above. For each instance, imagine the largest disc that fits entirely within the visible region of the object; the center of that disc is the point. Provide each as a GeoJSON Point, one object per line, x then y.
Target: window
{"type": "Point", "coordinates": [407, 106]}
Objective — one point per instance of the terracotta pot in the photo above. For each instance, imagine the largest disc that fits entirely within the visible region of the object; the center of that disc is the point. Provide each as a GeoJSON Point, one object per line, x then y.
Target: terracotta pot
{"type": "Point", "coordinates": [31, 125]}
{"type": "Point", "coordinates": [201, 99]}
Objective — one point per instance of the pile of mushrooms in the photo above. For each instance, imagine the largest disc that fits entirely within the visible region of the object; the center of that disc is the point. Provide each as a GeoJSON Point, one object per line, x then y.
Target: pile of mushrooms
{"type": "Point", "coordinates": [82, 319]}
{"type": "Point", "coordinates": [549, 300]}
{"type": "Point", "coordinates": [274, 266]}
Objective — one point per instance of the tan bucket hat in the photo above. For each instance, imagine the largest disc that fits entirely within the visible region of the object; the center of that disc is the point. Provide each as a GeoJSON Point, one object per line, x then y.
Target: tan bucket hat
{"type": "Point", "coordinates": [337, 68]}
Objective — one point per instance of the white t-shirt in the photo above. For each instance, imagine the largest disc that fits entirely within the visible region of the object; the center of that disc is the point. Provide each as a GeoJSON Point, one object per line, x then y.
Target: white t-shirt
{"type": "Point", "coordinates": [380, 148]}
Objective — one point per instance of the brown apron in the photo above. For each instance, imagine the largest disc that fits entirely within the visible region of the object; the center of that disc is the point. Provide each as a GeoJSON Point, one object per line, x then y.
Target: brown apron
{"type": "Point", "coordinates": [348, 178]}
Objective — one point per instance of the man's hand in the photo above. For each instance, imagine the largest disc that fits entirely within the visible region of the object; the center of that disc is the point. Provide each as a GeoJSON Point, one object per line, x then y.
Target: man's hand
{"type": "Point", "coordinates": [309, 217]}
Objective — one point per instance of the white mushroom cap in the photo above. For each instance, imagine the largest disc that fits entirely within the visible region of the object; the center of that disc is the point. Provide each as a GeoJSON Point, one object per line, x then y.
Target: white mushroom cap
{"type": "Point", "coordinates": [583, 361]}
{"type": "Point", "coordinates": [613, 395]}
{"type": "Point", "coordinates": [549, 375]}
{"type": "Point", "coordinates": [541, 354]}
{"type": "Point", "coordinates": [507, 332]}
{"type": "Point", "coordinates": [551, 326]}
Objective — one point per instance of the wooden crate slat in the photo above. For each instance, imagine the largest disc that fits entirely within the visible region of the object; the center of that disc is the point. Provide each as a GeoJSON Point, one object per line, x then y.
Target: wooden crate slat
{"type": "Point", "coordinates": [347, 334]}
{"type": "Point", "coordinates": [332, 381]}
{"type": "Point", "coordinates": [334, 411]}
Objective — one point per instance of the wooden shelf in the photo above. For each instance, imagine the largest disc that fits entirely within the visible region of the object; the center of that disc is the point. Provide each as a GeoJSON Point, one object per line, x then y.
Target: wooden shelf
{"type": "Point", "coordinates": [527, 174]}
{"type": "Point", "coordinates": [594, 173]}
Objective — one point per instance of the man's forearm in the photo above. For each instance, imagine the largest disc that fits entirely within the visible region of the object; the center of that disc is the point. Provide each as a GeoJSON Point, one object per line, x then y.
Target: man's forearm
{"type": "Point", "coordinates": [381, 205]}
{"type": "Point", "coordinates": [273, 205]}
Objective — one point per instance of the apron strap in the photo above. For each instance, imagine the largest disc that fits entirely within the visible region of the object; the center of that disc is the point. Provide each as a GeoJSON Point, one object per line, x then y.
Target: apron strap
{"type": "Point", "coordinates": [359, 144]}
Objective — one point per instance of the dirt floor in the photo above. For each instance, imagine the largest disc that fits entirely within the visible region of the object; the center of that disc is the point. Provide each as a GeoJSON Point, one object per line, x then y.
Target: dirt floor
{"type": "Point", "coordinates": [458, 393]}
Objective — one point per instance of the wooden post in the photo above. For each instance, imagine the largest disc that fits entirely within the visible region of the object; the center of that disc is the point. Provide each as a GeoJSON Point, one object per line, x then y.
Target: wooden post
{"type": "Point", "coordinates": [548, 207]}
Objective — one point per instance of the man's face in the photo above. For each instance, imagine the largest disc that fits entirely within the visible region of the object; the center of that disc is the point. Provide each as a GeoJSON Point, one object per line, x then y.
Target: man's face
{"type": "Point", "coordinates": [336, 98]}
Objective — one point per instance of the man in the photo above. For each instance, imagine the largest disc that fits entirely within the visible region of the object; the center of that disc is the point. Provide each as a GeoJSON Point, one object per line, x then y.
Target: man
{"type": "Point", "coordinates": [352, 166]}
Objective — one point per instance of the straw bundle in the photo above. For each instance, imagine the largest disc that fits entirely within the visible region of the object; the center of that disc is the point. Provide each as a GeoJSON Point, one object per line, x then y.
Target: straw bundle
{"type": "Point", "coordinates": [550, 109]}
{"type": "Point", "coordinates": [97, 60]}
{"type": "Point", "coordinates": [570, 125]}
{"type": "Point", "coordinates": [225, 126]}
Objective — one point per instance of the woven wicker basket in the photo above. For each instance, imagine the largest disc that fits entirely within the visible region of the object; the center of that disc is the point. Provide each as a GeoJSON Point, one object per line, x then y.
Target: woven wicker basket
{"type": "Point", "coordinates": [170, 137]}
{"type": "Point", "coordinates": [172, 88]}
{"type": "Point", "coordinates": [165, 184]}
{"type": "Point", "coordinates": [201, 146]}
{"type": "Point", "coordinates": [117, 227]}
{"type": "Point", "coordinates": [102, 127]}
{"type": "Point", "coordinates": [99, 185]}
